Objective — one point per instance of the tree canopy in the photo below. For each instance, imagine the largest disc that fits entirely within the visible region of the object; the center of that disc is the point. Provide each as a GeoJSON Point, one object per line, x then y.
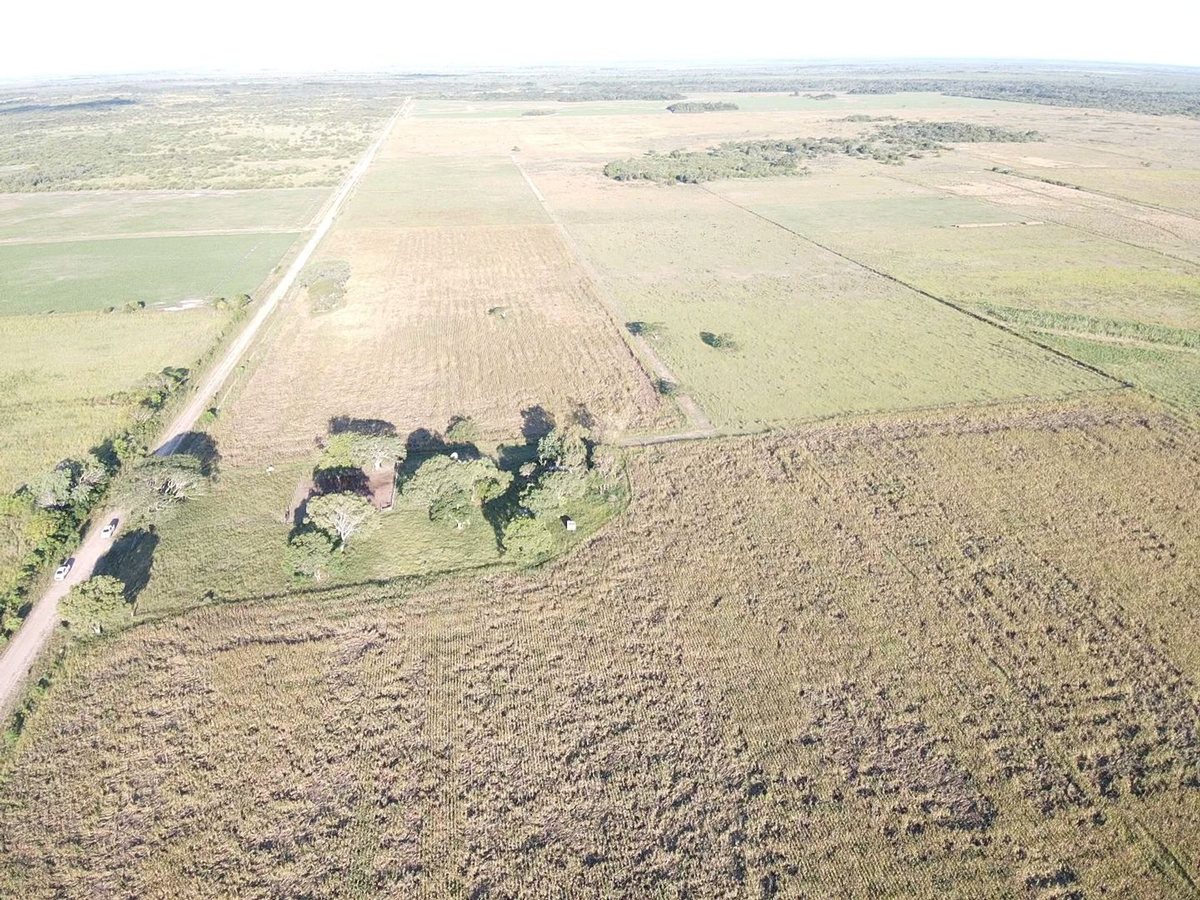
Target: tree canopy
{"type": "Point", "coordinates": [566, 446]}
{"type": "Point", "coordinates": [310, 553]}
{"type": "Point", "coordinates": [96, 604]}
{"type": "Point", "coordinates": [453, 489]}
{"type": "Point", "coordinates": [357, 449]}
{"type": "Point", "coordinates": [158, 483]}
{"type": "Point", "coordinates": [342, 515]}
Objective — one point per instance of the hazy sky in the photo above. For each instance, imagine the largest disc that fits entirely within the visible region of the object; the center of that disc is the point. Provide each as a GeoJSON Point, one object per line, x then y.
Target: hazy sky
{"type": "Point", "coordinates": [90, 36]}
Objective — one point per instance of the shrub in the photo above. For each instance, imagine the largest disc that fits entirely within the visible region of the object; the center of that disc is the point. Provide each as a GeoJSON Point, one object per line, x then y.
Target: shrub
{"type": "Point", "coordinates": [95, 605]}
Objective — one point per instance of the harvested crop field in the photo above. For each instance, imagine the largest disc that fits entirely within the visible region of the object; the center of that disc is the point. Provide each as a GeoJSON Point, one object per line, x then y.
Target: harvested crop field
{"type": "Point", "coordinates": [482, 313]}
{"type": "Point", "coordinates": [907, 657]}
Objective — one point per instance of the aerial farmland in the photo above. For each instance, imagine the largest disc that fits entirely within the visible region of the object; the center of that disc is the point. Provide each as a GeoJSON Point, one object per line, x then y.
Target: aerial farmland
{"type": "Point", "coordinates": [679, 484]}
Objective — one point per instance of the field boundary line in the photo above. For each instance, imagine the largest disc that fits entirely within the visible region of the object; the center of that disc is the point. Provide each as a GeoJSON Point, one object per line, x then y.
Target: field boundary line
{"type": "Point", "coordinates": [147, 235]}
{"type": "Point", "coordinates": [979, 317]}
{"type": "Point", "coordinates": [648, 360]}
{"type": "Point", "coordinates": [1145, 204]}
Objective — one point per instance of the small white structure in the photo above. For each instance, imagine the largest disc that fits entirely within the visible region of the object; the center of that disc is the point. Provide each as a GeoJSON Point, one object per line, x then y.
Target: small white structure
{"type": "Point", "coordinates": [570, 524]}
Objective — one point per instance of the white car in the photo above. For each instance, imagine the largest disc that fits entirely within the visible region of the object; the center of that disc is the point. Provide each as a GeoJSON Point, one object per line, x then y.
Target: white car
{"type": "Point", "coordinates": [110, 529]}
{"type": "Point", "coordinates": [64, 570]}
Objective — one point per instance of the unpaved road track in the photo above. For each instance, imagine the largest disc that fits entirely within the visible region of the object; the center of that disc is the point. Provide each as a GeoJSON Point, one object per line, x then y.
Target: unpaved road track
{"type": "Point", "coordinates": [195, 408]}
{"type": "Point", "coordinates": [21, 652]}
{"type": "Point", "coordinates": [27, 643]}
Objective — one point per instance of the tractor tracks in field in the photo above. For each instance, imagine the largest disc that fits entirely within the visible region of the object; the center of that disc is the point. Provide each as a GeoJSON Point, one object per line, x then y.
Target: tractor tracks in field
{"type": "Point", "coordinates": [950, 304]}
{"type": "Point", "coordinates": [644, 355]}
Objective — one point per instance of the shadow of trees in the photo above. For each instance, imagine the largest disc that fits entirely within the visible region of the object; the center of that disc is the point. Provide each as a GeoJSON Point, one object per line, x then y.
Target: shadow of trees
{"type": "Point", "coordinates": [131, 559]}
{"type": "Point", "coordinates": [203, 447]}
{"type": "Point", "coordinates": [342, 479]}
{"type": "Point", "coordinates": [352, 425]}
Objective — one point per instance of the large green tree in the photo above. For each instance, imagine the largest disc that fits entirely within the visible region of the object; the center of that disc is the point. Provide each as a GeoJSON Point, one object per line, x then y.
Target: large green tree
{"type": "Point", "coordinates": [455, 489]}
{"type": "Point", "coordinates": [158, 483]}
{"type": "Point", "coordinates": [96, 605]}
{"type": "Point", "coordinates": [566, 447]}
{"type": "Point", "coordinates": [310, 553]}
{"type": "Point", "coordinates": [342, 515]}
{"type": "Point", "coordinates": [353, 449]}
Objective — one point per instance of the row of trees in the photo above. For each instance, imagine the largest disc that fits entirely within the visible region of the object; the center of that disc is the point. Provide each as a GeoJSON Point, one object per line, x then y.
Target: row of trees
{"type": "Point", "coordinates": [891, 143]}
{"type": "Point", "coordinates": [41, 521]}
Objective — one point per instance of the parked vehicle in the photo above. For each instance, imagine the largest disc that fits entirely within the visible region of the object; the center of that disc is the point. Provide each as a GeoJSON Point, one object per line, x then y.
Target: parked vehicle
{"type": "Point", "coordinates": [110, 529]}
{"type": "Point", "coordinates": [64, 570]}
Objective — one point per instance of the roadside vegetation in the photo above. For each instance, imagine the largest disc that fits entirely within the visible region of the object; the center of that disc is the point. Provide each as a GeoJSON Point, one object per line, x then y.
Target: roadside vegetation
{"type": "Point", "coordinates": [41, 521]}
{"type": "Point", "coordinates": [699, 106]}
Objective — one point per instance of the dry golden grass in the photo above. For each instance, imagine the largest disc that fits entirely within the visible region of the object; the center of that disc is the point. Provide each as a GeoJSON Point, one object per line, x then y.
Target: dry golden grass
{"type": "Point", "coordinates": [462, 301]}
{"type": "Point", "coordinates": [944, 656]}
{"type": "Point", "coordinates": [481, 322]}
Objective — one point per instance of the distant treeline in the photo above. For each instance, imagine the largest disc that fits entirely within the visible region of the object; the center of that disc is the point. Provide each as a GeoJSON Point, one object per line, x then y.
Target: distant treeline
{"type": "Point", "coordinates": [699, 106]}
{"type": "Point", "coordinates": [578, 93]}
{"type": "Point", "coordinates": [890, 144]}
{"type": "Point", "coordinates": [77, 106]}
{"type": "Point", "coordinates": [1151, 92]}
{"type": "Point", "coordinates": [1151, 100]}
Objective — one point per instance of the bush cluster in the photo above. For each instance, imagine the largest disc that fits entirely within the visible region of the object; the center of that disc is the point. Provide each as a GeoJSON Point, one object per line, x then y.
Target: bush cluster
{"type": "Point", "coordinates": [891, 144]}
{"type": "Point", "coordinates": [699, 106]}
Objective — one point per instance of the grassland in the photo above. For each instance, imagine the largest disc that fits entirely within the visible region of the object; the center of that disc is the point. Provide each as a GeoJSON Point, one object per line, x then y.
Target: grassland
{"type": "Point", "coordinates": [1089, 270]}
{"type": "Point", "coordinates": [161, 271]}
{"type": "Point", "coordinates": [191, 134]}
{"type": "Point", "coordinates": [814, 663]}
{"type": "Point", "coordinates": [803, 318]}
{"type": "Point", "coordinates": [62, 378]}
{"type": "Point", "coordinates": [31, 218]}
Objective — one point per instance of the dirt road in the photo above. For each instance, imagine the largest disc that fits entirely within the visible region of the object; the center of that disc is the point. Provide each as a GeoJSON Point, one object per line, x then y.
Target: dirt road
{"type": "Point", "coordinates": [35, 631]}
{"type": "Point", "coordinates": [187, 418]}
{"type": "Point", "coordinates": [27, 643]}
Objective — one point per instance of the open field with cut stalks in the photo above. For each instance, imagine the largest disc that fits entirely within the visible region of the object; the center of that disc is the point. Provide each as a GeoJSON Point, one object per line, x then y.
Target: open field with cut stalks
{"type": "Point", "coordinates": [885, 654]}
{"type": "Point", "coordinates": [793, 495]}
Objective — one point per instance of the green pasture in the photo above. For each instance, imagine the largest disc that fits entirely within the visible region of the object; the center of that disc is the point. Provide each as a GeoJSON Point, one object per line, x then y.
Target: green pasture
{"type": "Point", "coordinates": [85, 275]}
{"type": "Point", "coordinates": [800, 354]}
{"type": "Point", "coordinates": [33, 217]}
{"type": "Point", "coordinates": [61, 377]}
{"type": "Point", "coordinates": [1046, 267]}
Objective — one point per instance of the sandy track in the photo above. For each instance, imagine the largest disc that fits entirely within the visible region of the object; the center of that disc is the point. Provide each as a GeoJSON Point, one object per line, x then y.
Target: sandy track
{"type": "Point", "coordinates": [22, 650]}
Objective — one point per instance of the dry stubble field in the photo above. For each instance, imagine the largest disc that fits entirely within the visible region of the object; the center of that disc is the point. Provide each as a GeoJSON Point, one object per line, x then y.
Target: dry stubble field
{"type": "Point", "coordinates": [462, 300]}
{"type": "Point", "coordinates": [943, 655]}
